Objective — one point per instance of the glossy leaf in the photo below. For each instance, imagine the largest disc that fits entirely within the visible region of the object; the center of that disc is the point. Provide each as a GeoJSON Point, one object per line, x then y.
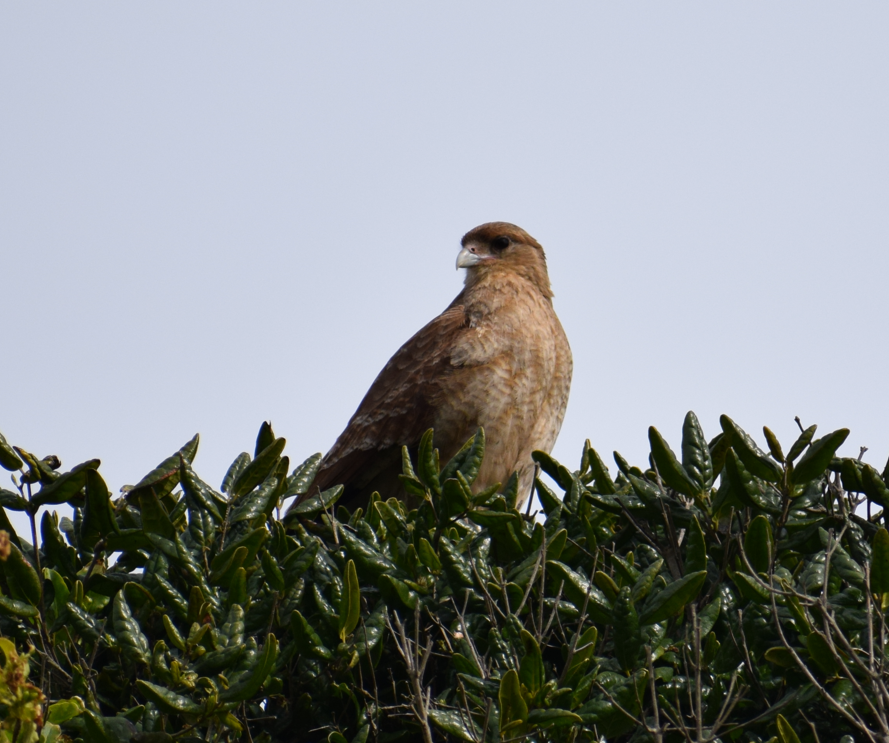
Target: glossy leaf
{"type": "Point", "coordinates": [759, 544]}
{"type": "Point", "coordinates": [302, 476]}
{"type": "Point", "coordinates": [311, 507]}
{"type": "Point", "coordinates": [128, 633]}
{"type": "Point", "coordinates": [696, 459]}
{"type": "Point", "coordinates": [818, 456]}
{"type": "Point", "coordinates": [754, 459]}
{"type": "Point", "coordinates": [98, 512]}
{"type": "Point", "coordinates": [576, 588]}
{"type": "Point", "coordinates": [668, 466]}
{"type": "Point", "coordinates": [821, 652]}
{"type": "Point", "coordinates": [874, 487]}
{"type": "Point", "coordinates": [308, 641]}
{"type": "Point", "coordinates": [350, 604]}
{"type": "Point", "coordinates": [167, 700]}
{"type": "Point", "coordinates": [427, 463]}
{"type": "Point", "coordinates": [24, 583]}
{"type": "Point", "coordinates": [259, 469]}
{"type": "Point", "coordinates": [786, 733]}
{"type": "Point", "coordinates": [67, 487]}
{"type": "Point", "coordinates": [774, 445]}
{"type": "Point", "coordinates": [696, 548]}
{"type": "Point", "coordinates": [455, 723]}
{"type": "Point", "coordinates": [531, 671]}
{"type": "Point", "coordinates": [255, 677]}
{"type": "Point", "coordinates": [799, 446]}
{"type": "Point", "coordinates": [163, 478]}
{"type": "Point", "coordinates": [155, 519]}
{"type": "Point", "coordinates": [9, 460]}
{"type": "Point", "coordinates": [627, 634]}
{"type": "Point", "coordinates": [64, 710]}
{"type": "Point", "coordinates": [601, 477]}
{"type": "Point", "coordinates": [673, 598]}
{"type": "Point", "coordinates": [513, 708]}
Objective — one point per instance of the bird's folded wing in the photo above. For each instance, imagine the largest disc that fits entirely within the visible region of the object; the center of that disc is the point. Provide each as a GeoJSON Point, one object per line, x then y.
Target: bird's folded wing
{"type": "Point", "coordinates": [397, 409]}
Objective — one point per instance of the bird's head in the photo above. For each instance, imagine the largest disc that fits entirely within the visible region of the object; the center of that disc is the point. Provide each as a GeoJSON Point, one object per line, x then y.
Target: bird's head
{"type": "Point", "coordinates": [498, 247]}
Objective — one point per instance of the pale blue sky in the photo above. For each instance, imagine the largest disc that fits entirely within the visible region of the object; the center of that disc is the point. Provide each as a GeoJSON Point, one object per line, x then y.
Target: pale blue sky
{"type": "Point", "coordinates": [214, 213]}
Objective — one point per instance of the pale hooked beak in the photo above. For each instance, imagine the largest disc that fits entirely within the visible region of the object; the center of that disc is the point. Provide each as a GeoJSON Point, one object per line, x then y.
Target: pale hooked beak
{"type": "Point", "coordinates": [466, 258]}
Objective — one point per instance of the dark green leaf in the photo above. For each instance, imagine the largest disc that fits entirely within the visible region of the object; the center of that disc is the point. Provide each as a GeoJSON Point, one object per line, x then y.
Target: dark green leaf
{"type": "Point", "coordinates": [627, 635]}
{"type": "Point", "coordinates": [200, 491]}
{"type": "Point", "coordinates": [821, 652]}
{"type": "Point", "coordinates": [12, 501]}
{"type": "Point", "coordinates": [301, 478]}
{"type": "Point", "coordinates": [155, 519]}
{"type": "Point", "coordinates": [818, 456]}
{"type": "Point", "coordinates": [470, 466]}
{"type": "Point", "coordinates": [874, 487]}
{"type": "Point", "coordinates": [754, 459]}
{"type": "Point", "coordinates": [311, 507]}
{"type": "Point", "coordinates": [558, 472]}
{"type": "Point", "coordinates": [67, 487]}
{"type": "Point", "coordinates": [264, 439]}
{"type": "Point", "coordinates": [668, 467]}
{"type": "Point", "coordinates": [552, 717]}
{"type": "Point", "coordinates": [128, 633]}
{"type": "Point", "coordinates": [673, 598]}
{"type": "Point", "coordinates": [249, 684]}
{"type": "Point", "coordinates": [307, 640]}
{"type": "Point", "coordinates": [163, 478]}
{"type": "Point", "coordinates": [427, 463]}
{"type": "Point", "coordinates": [259, 469]}
{"type": "Point", "coordinates": [371, 562]}
{"type": "Point", "coordinates": [576, 587]}
{"type": "Point", "coordinates": [167, 700]}
{"type": "Point", "coordinates": [24, 583]}
{"type": "Point", "coordinates": [455, 723]}
{"type": "Point", "coordinates": [15, 608]}
{"type": "Point", "coordinates": [696, 548]}
{"type": "Point", "coordinates": [428, 556]}
{"type": "Point", "coordinates": [696, 459]}
{"type": "Point", "coordinates": [98, 513]}
{"type": "Point", "coordinates": [9, 460]}
{"type": "Point", "coordinates": [234, 471]}
{"type": "Point", "coordinates": [879, 567]}
{"type": "Point", "coordinates": [759, 544]}
{"type": "Point", "coordinates": [718, 449]}
{"type": "Point", "coordinates": [801, 443]}
{"type": "Point", "coordinates": [601, 478]}
{"type": "Point", "coordinates": [59, 554]}
{"type": "Point", "coordinates": [745, 486]}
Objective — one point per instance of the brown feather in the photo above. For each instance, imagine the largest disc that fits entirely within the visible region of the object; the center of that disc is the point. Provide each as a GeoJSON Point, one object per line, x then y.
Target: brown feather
{"type": "Point", "coordinates": [497, 357]}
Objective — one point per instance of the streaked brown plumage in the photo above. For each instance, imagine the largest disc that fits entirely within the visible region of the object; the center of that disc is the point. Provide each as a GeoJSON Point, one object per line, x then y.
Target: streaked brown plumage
{"type": "Point", "coordinates": [497, 357]}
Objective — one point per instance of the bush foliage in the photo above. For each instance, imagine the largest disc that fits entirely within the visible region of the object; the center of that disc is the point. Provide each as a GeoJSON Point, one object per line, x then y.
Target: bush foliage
{"type": "Point", "coordinates": [721, 594]}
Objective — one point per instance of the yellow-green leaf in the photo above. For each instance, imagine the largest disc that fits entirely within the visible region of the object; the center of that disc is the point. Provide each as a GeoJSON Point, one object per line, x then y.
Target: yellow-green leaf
{"type": "Point", "coordinates": [513, 708]}
{"type": "Point", "coordinates": [350, 603]}
{"type": "Point", "coordinates": [786, 733]}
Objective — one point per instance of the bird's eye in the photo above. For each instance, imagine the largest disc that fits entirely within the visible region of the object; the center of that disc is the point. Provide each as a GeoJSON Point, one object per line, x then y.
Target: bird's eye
{"type": "Point", "coordinates": [501, 243]}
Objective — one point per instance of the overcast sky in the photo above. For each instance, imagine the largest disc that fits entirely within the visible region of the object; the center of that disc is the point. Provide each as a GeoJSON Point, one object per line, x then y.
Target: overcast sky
{"type": "Point", "coordinates": [214, 214]}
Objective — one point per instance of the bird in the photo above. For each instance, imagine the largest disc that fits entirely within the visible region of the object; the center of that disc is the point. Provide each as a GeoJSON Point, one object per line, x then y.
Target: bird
{"type": "Point", "coordinates": [497, 357]}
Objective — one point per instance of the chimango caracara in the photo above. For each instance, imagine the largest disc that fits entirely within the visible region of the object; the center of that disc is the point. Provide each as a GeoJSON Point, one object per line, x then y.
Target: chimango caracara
{"type": "Point", "coordinates": [497, 357]}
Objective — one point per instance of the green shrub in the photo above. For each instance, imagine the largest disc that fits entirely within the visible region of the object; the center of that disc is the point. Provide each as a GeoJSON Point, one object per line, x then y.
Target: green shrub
{"type": "Point", "coordinates": [722, 594]}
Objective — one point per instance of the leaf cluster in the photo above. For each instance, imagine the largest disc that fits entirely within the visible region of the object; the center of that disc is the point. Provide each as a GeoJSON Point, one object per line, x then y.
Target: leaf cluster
{"type": "Point", "coordinates": [726, 593]}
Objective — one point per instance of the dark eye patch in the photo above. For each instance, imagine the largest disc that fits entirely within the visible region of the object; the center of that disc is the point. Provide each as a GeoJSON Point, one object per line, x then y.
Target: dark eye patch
{"type": "Point", "coordinates": [501, 243]}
